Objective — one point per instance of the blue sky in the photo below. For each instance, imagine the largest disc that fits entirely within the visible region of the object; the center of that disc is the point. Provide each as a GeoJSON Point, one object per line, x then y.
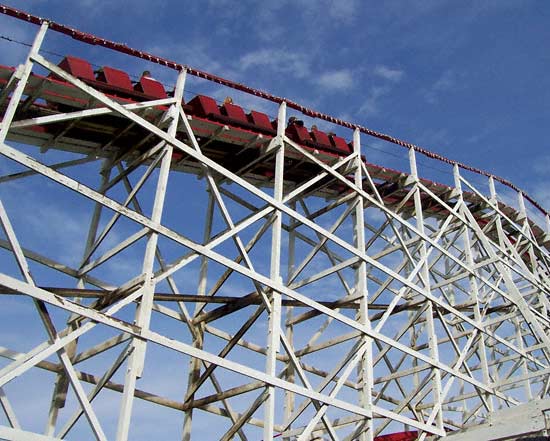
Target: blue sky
{"type": "Point", "coordinates": [466, 79]}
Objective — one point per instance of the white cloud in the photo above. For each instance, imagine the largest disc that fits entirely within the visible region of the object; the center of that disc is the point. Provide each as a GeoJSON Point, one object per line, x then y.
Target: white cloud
{"type": "Point", "coordinates": [194, 54]}
{"type": "Point", "coordinates": [371, 105]}
{"type": "Point", "coordinates": [388, 73]}
{"type": "Point", "coordinates": [446, 81]}
{"type": "Point", "coordinates": [433, 137]}
{"type": "Point", "coordinates": [336, 80]}
{"type": "Point", "coordinates": [542, 165]}
{"type": "Point", "coordinates": [342, 9]}
{"type": "Point", "coordinates": [325, 10]}
{"type": "Point", "coordinates": [483, 134]}
{"type": "Point", "coordinates": [542, 194]}
{"type": "Point", "coordinates": [278, 61]}
{"type": "Point", "coordinates": [489, 7]}
{"type": "Point", "coordinates": [58, 229]}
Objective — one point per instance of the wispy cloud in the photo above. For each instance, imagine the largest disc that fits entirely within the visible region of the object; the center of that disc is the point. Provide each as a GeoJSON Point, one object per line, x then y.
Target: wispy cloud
{"type": "Point", "coordinates": [277, 61]}
{"type": "Point", "coordinates": [492, 6]}
{"type": "Point", "coordinates": [338, 80]}
{"type": "Point", "coordinates": [194, 54]}
{"type": "Point", "coordinates": [371, 105]}
{"type": "Point", "coordinates": [541, 187]}
{"type": "Point", "coordinates": [388, 78]}
{"type": "Point", "coordinates": [446, 81]}
{"type": "Point", "coordinates": [483, 134]}
{"type": "Point", "coordinates": [388, 73]}
{"type": "Point", "coordinates": [345, 10]}
{"type": "Point", "coordinates": [542, 165]}
{"type": "Point", "coordinates": [434, 137]}
{"type": "Point", "coordinates": [326, 10]}
{"type": "Point", "coordinates": [542, 194]}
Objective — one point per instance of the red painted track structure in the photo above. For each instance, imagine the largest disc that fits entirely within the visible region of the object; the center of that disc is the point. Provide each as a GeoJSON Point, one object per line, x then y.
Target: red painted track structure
{"type": "Point", "coordinates": [244, 276]}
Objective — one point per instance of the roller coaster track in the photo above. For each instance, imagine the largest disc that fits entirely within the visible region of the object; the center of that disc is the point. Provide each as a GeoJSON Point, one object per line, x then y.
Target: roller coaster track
{"type": "Point", "coordinates": [295, 290]}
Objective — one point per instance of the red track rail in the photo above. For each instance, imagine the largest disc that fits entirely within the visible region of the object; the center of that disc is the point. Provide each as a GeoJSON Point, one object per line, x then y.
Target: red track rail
{"type": "Point", "coordinates": [123, 48]}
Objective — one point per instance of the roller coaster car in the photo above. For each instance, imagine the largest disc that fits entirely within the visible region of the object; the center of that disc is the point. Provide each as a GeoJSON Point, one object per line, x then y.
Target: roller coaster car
{"type": "Point", "coordinates": [261, 122]}
{"type": "Point", "coordinates": [118, 84]}
{"type": "Point", "coordinates": [298, 133]}
{"type": "Point", "coordinates": [77, 67]}
{"type": "Point", "coordinates": [340, 144]}
{"type": "Point", "coordinates": [255, 121]}
{"type": "Point", "coordinates": [150, 87]}
{"type": "Point", "coordinates": [330, 142]}
{"type": "Point", "coordinates": [112, 81]}
{"type": "Point", "coordinates": [321, 138]}
{"type": "Point", "coordinates": [234, 113]}
{"type": "Point", "coordinates": [117, 80]}
{"type": "Point", "coordinates": [318, 139]}
{"type": "Point", "coordinates": [204, 107]}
